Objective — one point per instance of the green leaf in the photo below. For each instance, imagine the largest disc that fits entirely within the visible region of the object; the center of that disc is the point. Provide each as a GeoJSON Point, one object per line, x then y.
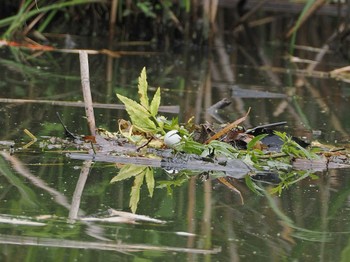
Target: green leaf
{"type": "Point", "coordinates": [190, 146]}
{"type": "Point", "coordinates": [255, 140]}
{"type": "Point", "coordinates": [143, 86]}
{"type": "Point", "coordinates": [248, 160]}
{"type": "Point", "coordinates": [308, 154]}
{"type": "Point", "coordinates": [138, 114]}
{"type": "Point", "coordinates": [179, 180]}
{"type": "Point", "coordinates": [252, 186]}
{"type": "Point", "coordinates": [150, 180]}
{"type": "Point", "coordinates": [282, 135]}
{"type": "Point", "coordinates": [135, 192]}
{"type": "Point", "coordinates": [146, 8]}
{"type": "Point", "coordinates": [302, 175]}
{"type": "Point", "coordinates": [132, 107]}
{"type": "Point", "coordinates": [291, 147]}
{"type": "Point", "coordinates": [145, 124]}
{"type": "Point", "coordinates": [345, 253]}
{"type": "Point", "coordinates": [128, 171]}
{"type": "Point", "coordinates": [143, 115]}
{"type": "Point", "coordinates": [222, 148]}
{"type": "Point", "coordinates": [155, 103]}
{"type": "Point", "coordinates": [276, 190]}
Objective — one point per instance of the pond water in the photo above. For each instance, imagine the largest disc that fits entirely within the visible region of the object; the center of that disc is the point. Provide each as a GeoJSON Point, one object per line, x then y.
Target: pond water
{"type": "Point", "coordinates": [42, 190]}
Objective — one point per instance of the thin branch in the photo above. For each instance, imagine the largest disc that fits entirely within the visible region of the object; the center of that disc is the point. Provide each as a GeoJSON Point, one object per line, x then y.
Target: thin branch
{"type": "Point", "coordinates": [85, 82]}
{"type": "Point", "coordinates": [165, 109]}
{"type": "Point", "coordinates": [227, 128]}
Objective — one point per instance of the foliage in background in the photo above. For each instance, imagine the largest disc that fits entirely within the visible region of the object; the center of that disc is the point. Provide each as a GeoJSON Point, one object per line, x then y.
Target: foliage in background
{"type": "Point", "coordinates": [135, 20]}
{"type": "Point", "coordinates": [29, 9]}
{"type": "Point", "coordinates": [310, 7]}
{"type": "Point", "coordinates": [96, 16]}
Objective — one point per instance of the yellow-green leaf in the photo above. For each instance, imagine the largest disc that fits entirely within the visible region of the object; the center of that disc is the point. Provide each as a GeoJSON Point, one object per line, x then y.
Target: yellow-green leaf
{"type": "Point", "coordinates": [143, 86]}
{"type": "Point", "coordinates": [155, 103]}
{"type": "Point", "coordinates": [128, 171]}
{"type": "Point", "coordinates": [145, 124]}
{"type": "Point", "coordinates": [150, 180]}
{"type": "Point", "coordinates": [132, 107]}
{"type": "Point", "coordinates": [135, 192]}
{"type": "Point", "coordinates": [138, 114]}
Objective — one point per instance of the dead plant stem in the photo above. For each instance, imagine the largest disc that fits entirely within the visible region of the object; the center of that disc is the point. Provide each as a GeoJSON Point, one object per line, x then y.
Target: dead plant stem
{"type": "Point", "coordinates": [85, 83]}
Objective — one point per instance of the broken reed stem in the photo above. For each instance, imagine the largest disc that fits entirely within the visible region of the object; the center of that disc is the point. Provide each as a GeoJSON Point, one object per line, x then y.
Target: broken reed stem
{"type": "Point", "coordinates": [232, 187]}
{"type": "Point", "coordinates": [85, 83]}
{"type": "Point", "coordinates": [166, 109]}
{"type": "Point", "coordinates": [113, 18]}
{"type": "Point", "coordinates": [227, 128]}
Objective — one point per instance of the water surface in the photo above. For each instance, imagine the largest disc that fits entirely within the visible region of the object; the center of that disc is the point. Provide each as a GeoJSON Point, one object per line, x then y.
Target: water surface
{"type": "Point", "coordinates": [204, 220]}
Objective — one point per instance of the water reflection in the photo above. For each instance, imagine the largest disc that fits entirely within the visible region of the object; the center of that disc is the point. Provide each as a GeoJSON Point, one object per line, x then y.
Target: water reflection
{"type": "Point", "coordinates": [207, 214]}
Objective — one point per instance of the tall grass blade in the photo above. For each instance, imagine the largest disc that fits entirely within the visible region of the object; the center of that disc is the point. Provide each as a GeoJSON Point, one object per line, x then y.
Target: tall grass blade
{"type": "Point", "coordinates": [16, 21]}
{"type": "Point", "coordinates": [310, 7]}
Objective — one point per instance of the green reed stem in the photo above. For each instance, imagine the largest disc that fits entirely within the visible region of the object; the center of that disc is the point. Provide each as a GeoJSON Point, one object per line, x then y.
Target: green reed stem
{"type": "Point", "coordinates": [306, 8]}
{"type": "Point", "coordinates": [17, 20]}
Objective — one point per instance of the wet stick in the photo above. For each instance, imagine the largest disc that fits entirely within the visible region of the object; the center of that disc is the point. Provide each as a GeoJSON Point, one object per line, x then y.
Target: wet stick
{"type": "Point", "coordinates": [166, 109]}
{"type": "Point", "coordinates": [227, 128]}
{"type": "Point", "coordinates": [85, 83]}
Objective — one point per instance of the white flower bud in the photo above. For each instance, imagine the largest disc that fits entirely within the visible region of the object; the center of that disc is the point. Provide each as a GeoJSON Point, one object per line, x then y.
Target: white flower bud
{"type": "Point", "coordinates": [172, 138]}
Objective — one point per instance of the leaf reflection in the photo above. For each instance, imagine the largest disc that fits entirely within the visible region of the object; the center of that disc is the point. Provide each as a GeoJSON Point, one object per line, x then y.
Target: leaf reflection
{"type": "Point", "coordinates": [139, 172]}
{"type": "Point", "coordinates": [280, 180]}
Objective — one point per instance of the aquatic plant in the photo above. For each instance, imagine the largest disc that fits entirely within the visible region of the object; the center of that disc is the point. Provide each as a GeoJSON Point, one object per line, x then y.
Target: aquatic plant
{"type": "Point", "coordinates": [193, 20]}
{"type": "Point", "coordinates": [219, 147]}
{"type": "Point", "coordinates": [40, 15]}
{"type": "Point", "coordinates": [37, 9]}
{"type": "Point", "coordinates": [144, 114]}
{"type": "Point", "coordinates": [309, 9]}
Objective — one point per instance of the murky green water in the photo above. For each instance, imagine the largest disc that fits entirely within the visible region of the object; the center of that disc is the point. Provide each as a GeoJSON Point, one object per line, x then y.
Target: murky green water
{"type": "Point", "coordinates": [204, 221]}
